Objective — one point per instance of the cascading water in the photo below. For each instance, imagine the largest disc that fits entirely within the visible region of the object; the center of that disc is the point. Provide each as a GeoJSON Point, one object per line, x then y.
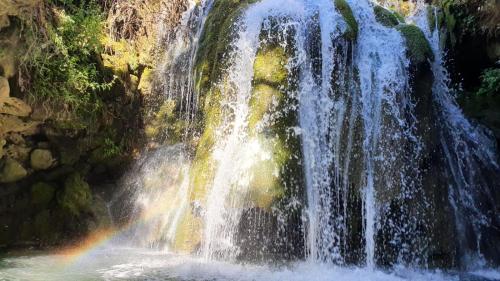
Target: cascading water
{"type": "Point", "coordinates": [182, 46]}
{"type": "Point", "coordinates": [471, 156]}
{"type": "Point", "coordinates": [323, 136]}
{"type": "Point", "coordinates": [317, 142]}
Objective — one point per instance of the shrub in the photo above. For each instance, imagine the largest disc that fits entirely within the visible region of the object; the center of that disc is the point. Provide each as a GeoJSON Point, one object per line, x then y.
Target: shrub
{"type": "Point", "coordinates": [61, 65]}
{"type": "Point", "coordinates": [490, 84]}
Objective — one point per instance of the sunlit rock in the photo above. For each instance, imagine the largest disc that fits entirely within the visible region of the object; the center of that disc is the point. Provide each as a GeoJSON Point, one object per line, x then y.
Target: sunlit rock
{"type": "Point", "coordinates": [12, 171]}
{"type": "Point", "coordinates": [41, 159]}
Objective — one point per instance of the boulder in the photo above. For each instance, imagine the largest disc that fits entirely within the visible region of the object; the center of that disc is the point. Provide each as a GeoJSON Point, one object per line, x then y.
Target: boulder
{"type": "Point", "coordinates": [14, 106]}
{"type": "Point", "coordinates": [12, 171]}
{"type": "Point", "coordinates": [4, 88]}
{"type": "Point", "coordinates": [41, 159]}
{"type": "Point", "coordinates": [76, 196]}
{"type": "Point", "coordinates": [9, 123]}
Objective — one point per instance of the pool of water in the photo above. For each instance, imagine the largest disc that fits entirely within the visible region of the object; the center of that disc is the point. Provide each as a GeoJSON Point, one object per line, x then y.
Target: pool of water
{"type": "Point", "coordinates": [139, 264]}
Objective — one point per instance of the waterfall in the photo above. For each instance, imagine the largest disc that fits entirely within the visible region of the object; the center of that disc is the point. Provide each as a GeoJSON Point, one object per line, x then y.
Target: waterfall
{"type": "Point", "coordinates": [181, 49]}
{"type": "Point", "coordinates": [319, 142]}
{"type": "Point", "coordinates": [471, 156]}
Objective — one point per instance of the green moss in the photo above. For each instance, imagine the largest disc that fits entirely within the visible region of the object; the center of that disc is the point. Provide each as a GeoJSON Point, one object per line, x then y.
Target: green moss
{"type": "Point", "coordinates": [346, 12]}
{"type": "Point", "coordinates": [42, 193]}
{"type": "Point", "coordinates": [261, 102]}
{"type": "Point", "coordinates": [271, 119]}
{"type": "Point", "coordinates": [76, 196]}
{"type": "Point", "coordinates": [418, 48]}
{"type": "Point", "coordinates": [490, 83]}
{"type": "Point", "coordinates": [269, 67]}
{"type": "Point", "coordinates": [167, 125]}
{"type": "Point", "coordinates": [218, 33]}
{"type": "Point", "coordinates": [209, 69]}
{"type": "Point", "coordinates": [63, 70]}
{"type": "Point", "coordinates": [385, 17]}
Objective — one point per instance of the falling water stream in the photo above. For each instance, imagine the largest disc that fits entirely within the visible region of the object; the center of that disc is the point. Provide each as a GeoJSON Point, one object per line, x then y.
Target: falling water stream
{"type": "Point", "coordinates": [364, 201]}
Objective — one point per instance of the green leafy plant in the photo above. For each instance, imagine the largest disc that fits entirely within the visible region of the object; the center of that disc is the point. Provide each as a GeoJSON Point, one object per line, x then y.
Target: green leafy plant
{"type": "Point", "coordinates": [62, 62]}
{"type": "Point", "coordinates": [490, 84]}
{"type": "Point", "coordinates": [111, 149]}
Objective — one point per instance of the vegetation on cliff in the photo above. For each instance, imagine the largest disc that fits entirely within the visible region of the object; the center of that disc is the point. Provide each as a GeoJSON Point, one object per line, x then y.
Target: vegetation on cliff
{"type": "Point", "coordinates": [74, 78]}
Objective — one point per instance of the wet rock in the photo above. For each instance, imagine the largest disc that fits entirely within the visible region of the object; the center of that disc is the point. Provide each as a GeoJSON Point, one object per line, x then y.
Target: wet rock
{"type": "Point", "coordinates": [385, 17]}
{"type": "Point", "coordinates": [418, 48]}
{"type": "Point", "coordinates": [12, 171]}
{"type": "Point", "coordinates": [101, 215]}
{"type": "Point", "coordinates": [41, 159]}
{"type": "Point", "coordinates": [346, 12]}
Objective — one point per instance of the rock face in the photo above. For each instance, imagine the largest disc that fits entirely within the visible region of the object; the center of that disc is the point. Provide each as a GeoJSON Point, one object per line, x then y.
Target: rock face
{"type": "Point", "coordinates": [42, 201]}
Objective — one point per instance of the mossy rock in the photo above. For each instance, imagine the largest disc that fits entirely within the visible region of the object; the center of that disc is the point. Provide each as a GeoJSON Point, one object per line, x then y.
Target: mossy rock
{"type": "Point", "coordinates": [145, 81]}
{"type": "Point", "coordinates": [209, 65]}
{"type": "Point", "coordinates": [270, 67]}
{"type": "Point", "coordinates": [76, 196]}
{"type": "Point", "coordinates": [385, 17]}
{"type": "Point", "coordinates": [166, 126]}
{"type": "Point", "coordinates": [189, 233]}
{"type": "Point", "coordinates": [12, 171]}
{"type": "Point", "coordinates": [418, 48]}
{"type": "Point", "coordinates": [42, 193]}
{"type": "Point", "coordinates": [346, 12]}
